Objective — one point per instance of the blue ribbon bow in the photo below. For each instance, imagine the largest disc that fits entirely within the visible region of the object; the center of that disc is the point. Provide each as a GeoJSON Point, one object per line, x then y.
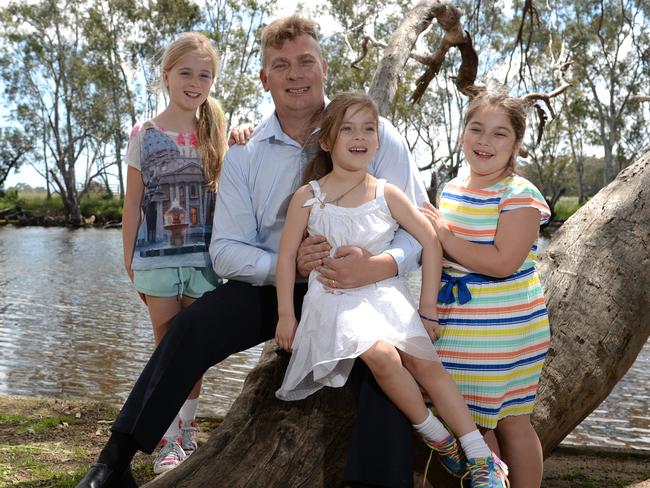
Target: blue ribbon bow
{"type": "Point", "coordinates": [446, 294]}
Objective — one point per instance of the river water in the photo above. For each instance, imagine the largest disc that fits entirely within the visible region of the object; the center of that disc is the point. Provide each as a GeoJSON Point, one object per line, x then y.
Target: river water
{"type": "Point", "coordinates": [72, 326]}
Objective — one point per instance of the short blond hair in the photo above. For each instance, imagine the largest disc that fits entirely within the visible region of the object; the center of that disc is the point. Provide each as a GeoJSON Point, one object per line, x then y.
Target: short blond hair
{"type": "Point", "coordinates": [287, 29]}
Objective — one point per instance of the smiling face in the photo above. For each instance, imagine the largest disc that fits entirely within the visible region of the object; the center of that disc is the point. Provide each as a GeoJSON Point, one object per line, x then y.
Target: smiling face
{"type": "Point", "coordinates": [294, 74]}
{"type": "Point", "coordinates": [489, 143]}
{"type": "Point", "coordinates": [356, 141]}
{"type": "Point", "coordinates": [188, 82]}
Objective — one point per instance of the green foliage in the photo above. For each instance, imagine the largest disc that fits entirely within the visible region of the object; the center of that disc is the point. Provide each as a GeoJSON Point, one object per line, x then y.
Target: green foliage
{"type": "Point", "coordinates": [566, 207]}
{"type": "Point", "coordinates": [103, 208]}
{"type": "Point", "coordinates": [33, 202]}
{"type": "Point", "coordinates": [15, 146]}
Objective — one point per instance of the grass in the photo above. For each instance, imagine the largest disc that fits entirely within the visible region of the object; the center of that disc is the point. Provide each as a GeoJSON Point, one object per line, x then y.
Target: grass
{"type": "Point", "coordinates": [566, 207]}
{"type": "Point", "coordinates": [25, 424]}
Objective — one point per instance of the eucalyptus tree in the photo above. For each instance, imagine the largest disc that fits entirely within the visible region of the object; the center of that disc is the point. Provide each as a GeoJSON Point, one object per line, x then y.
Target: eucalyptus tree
{"type": "Point", "coordinates": [15, 146]}
{"type": "Point", "coordinates": [610, 39]}
{"type": "Point", "coordinates": [235, 26]}
{"type": "Point", "coordinates": [46, 75]}
{"type": "Point", "coordinates": [109, 51]}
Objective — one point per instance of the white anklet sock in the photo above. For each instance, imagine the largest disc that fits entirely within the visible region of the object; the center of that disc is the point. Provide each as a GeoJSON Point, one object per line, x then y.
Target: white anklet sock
{"type": "Point", "coordinates": [474, 445]}
{"type": "Point", "coordinates": [188, 411]}
{"type": "Point", "coordinates": [431, 429]}
{"type": "Point", "coordinates": [173, 432]}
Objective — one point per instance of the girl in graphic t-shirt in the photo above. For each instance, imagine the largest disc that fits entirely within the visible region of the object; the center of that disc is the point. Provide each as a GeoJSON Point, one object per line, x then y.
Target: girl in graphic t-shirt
{"type": "Point", "coordinates": [174, 161]}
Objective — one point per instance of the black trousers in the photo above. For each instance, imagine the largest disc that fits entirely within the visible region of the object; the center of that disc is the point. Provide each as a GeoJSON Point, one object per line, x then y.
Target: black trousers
{"type": "Point", "coordinates": [232, 318]}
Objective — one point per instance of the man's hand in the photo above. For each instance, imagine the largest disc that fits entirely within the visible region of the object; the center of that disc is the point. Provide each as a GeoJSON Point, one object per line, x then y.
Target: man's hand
{"type": "Point", "coordinates": [311, 253]}
{"type": "Point", "coordinates": [240, 135]}
{"type": "Point", "coordinates": [353, 267]}
{"type": "Point", "coordinates": [285, 331]}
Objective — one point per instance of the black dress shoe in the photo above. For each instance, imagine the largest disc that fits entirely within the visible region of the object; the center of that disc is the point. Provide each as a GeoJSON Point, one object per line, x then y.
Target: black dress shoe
{"type": "Point", "coordinates": [102, 476]}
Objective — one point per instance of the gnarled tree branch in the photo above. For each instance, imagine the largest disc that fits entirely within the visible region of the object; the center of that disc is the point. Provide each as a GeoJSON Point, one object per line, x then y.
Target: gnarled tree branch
{"type": "Point", "coordinates": [400, 46]}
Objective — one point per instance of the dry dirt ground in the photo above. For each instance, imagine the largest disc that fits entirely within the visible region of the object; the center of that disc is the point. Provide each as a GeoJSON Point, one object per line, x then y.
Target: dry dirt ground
{"type": "Point", "coordinates": [51, 443]}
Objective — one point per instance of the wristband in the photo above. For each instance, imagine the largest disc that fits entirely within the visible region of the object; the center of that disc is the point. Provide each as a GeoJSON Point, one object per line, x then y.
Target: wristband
{"type": "Point", "coordinates": [428, 318]}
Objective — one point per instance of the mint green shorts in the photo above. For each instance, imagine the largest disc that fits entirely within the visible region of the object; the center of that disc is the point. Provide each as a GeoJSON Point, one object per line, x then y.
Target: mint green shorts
{"type": "Point", "coordinates": [171, 282]}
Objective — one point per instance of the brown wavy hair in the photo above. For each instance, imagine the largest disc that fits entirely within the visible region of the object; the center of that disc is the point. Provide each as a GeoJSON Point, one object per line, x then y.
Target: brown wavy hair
{"type": "Point", "coordinates": [211, 126]}
{"type": "Point", "coordinates": [330, 123]}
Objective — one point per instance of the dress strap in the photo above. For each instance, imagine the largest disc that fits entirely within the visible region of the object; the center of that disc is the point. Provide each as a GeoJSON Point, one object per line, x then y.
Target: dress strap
{"type": "Point", "coordinates": [315, 187]}
{"type": "Point", "coordinates": [379, 191]}
{"type": "Point", "coordinates": [318, 198]}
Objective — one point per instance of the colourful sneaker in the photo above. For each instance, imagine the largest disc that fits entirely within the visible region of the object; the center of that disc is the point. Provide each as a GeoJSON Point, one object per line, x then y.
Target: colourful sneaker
{"type": "Point", "coordinates": [171, 454]}
{"type": "Point", "coordinates": [451, 455]}
{"type": "Point", "coordinates": [188, 438]}
{"type": "Point", "coordinates": [487, 472]}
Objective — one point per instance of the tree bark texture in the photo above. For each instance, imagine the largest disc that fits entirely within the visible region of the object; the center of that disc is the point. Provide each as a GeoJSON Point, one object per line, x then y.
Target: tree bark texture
{"type": "Point", "coordinates": [265, 442]}
{"type": "Point", "coordinates": [597, 285]}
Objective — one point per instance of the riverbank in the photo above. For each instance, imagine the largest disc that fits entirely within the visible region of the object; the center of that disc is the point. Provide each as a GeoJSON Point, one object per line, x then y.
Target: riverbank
{"type": "Point", "coordinates": [98, 208]}
{"type": "Point", "coordinates": [34, 208]}
{"type": "Point", "coordinates": [50, 443]}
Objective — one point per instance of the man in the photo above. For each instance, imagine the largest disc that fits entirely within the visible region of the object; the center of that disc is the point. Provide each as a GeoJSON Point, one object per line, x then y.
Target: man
{"type": "Point", "coordinates": [256, 185]}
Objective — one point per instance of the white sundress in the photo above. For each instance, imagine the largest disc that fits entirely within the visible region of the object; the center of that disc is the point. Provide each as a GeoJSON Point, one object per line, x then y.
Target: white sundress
{"type": "Point", "coordinates": [338, 325]}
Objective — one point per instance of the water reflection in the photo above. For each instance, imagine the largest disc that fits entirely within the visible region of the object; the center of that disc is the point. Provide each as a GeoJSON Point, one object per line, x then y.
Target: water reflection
{"type": "Point", "coordinates": [71, 325]}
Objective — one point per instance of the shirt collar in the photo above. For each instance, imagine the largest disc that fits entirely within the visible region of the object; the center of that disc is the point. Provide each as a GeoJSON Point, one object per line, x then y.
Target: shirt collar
{"type": "Point", "coordinates": [270, 128]}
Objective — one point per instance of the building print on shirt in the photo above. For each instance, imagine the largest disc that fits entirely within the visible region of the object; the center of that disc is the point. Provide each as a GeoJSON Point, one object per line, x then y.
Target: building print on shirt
{"type": "Point", "coordinates": [178, 207]}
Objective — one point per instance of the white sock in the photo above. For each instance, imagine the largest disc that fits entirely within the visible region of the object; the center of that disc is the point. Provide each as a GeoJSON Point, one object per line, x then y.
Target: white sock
{"type": "Point", "coordinates": [431, 429]}
{"type": "Point", "coordinates": [188, 411]}
{"type": "Point", "coordinates": [474, 445]}
{"type": "Point", "coordinates": [173, 432]}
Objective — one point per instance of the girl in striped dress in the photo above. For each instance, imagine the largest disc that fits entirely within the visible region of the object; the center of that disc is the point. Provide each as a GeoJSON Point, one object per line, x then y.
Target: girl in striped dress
{"type": "Point", "coordinates": [495, 329]}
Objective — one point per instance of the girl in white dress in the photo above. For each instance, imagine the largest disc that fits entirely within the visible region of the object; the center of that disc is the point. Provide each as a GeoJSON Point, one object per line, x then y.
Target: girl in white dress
{"type": "Point", "coordinates": [379, 322]}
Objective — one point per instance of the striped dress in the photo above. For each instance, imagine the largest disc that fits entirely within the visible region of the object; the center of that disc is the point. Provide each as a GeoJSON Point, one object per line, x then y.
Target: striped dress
{"type": "Point", "coordinates": [495, 331]}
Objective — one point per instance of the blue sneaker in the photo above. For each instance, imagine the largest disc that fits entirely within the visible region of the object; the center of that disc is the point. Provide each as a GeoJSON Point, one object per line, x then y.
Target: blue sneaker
{"type": "Point", "coordinates": [451, 455]}
{"type": "Point", "coordinates": [487, 472]}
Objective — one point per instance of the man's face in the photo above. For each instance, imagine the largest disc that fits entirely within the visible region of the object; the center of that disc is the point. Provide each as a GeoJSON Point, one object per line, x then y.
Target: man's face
{"type": "Point", "coordinates": [295, 74]}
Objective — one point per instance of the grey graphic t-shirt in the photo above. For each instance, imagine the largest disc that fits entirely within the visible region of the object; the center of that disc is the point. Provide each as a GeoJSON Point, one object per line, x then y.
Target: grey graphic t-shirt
{"type": "Point", "coordinates": [177, 209]}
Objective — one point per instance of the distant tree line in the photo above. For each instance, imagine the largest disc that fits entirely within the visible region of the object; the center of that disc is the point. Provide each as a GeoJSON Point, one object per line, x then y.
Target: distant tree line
{"type": "Point", "coordinates": [78, 74]}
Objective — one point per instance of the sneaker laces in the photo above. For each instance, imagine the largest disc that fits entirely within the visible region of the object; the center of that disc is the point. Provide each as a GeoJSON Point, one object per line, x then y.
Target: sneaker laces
{"type": "Point", "coordinates": [170, 453]}
{"type": "Point", "coordinates": [446, 449]}
{"type": "Point", "coordinates": [480, 473]}
{"type": "Point", "coordinates": [443, 448]}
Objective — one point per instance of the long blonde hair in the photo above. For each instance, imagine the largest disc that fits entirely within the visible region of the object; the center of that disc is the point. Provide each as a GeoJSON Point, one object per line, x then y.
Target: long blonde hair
{"type": "Point", "coordinates": [211, 126]}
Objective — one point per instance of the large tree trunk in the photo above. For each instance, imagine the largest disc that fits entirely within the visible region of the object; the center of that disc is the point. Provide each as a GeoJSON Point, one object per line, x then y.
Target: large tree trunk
{"type": "Point", "coordinates": [598, 294]}
{"type": "Point", "coordinates": [265, 442]}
